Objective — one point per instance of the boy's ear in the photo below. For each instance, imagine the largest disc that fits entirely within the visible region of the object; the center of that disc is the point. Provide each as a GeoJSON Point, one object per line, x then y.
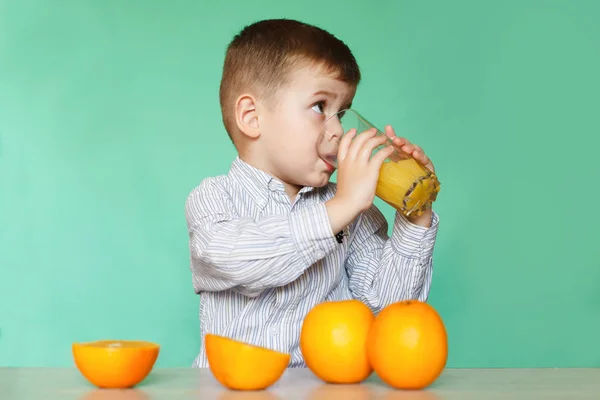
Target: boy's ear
{"type": "Point", "coordinates": [246, 116]}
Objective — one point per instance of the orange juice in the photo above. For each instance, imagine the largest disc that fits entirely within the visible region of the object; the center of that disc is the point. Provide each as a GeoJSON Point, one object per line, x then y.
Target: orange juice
{"type": "Point", "coordinates": [407, 186]}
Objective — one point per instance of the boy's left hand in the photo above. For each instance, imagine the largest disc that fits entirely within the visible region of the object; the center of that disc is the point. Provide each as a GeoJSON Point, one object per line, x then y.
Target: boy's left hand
{"type": "Point", "coordinates": [407, 147]}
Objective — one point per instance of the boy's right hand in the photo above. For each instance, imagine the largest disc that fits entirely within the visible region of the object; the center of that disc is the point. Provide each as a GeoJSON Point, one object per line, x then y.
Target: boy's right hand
{"type": "Point", "coordinates": [357, 176]}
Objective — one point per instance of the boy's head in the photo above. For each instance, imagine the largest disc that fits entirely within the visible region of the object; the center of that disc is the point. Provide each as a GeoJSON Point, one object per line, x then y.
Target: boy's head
{"type": "Point", "coordinates": [281, 79]}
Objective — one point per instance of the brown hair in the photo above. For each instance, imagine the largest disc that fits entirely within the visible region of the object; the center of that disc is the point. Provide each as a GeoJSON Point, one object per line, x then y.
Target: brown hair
{"type": "Point", "coordinates": [263, 54]}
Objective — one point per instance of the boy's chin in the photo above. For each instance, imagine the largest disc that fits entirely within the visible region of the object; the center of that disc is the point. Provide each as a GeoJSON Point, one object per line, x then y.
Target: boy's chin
{"type": "Point", "coordinates": [319, 181]}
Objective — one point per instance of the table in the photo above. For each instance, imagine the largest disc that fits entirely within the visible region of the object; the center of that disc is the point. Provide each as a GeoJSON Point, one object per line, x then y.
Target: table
{"type": "Point", "coordinates": [199, 384]}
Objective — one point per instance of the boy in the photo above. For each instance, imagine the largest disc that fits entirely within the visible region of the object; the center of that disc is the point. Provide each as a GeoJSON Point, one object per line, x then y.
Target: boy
{"type": "Point", "coordinates": [262, 239]}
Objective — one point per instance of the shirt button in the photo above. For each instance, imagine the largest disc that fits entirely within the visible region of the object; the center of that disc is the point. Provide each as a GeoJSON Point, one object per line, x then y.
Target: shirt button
{"type": "Point", "coordinates": [320, 254]}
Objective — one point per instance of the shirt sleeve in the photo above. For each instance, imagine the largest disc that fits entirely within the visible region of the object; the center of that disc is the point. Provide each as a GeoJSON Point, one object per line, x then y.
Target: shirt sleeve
{"type": "Point", "coordinates": [383, 270]}
{"type": "Point", "coordinates": [232, 252]}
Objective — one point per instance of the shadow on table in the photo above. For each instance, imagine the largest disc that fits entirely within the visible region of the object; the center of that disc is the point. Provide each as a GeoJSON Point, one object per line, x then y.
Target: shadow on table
{"type": "Point", "coordinates": [152, 379]}
{"type": "Point", "coordinates": [116, 394]}
{"type": "Point", "coordinates": [410, 395]}
{"type": "Point", "coordinates": [399, 394]}
{"type": "Point", "coordinates": [342, 391]}
{"type": "Point", "coordinates": [250, 395]}
{"type": "Point", "coordinates": [136, 393]}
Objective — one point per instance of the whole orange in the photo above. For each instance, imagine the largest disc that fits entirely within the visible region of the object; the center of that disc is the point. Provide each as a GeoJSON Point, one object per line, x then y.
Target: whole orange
{"type": "Point", "coordinates": [333, 341]}
{"type": "Point", "coordinates": [115, 363]}
{"type": "Point", "coordinates": [407, 345]}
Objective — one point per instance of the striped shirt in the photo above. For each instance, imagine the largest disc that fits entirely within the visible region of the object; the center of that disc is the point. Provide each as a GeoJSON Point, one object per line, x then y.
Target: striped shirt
{"type": "Point", "coordinates": [260, 261]}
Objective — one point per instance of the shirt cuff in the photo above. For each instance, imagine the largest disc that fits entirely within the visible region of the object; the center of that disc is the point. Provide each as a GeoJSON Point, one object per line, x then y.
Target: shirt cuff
{"type": "Point", "coordinates": [411, 240]}
{"type": "Point", "coordinates": [311, 231]}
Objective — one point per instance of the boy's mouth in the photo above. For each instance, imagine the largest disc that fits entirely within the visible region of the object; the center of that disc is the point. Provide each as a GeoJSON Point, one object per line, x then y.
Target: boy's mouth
{"type": "Point", "coordinates": [329, 165]}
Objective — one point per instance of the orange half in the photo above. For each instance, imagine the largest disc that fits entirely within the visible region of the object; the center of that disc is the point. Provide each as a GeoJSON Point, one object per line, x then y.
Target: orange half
{"type": "Point", "coordinates": [115, 363]}
{"type": "Point", "coordinates": [241, 366]}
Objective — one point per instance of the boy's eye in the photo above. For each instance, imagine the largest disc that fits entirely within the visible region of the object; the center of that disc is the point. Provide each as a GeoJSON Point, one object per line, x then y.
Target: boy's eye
{"type": "Point", "coordinates": [319, 107]}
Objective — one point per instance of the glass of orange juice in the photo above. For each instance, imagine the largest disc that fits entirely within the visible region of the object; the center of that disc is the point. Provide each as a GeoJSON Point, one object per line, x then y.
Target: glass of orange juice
{"type": "Point", "coordinates": [403, 182]}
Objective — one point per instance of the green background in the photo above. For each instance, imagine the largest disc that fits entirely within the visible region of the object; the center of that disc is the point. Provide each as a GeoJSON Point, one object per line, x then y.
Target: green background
{"type": "Point", "coordinates": [109, 117]}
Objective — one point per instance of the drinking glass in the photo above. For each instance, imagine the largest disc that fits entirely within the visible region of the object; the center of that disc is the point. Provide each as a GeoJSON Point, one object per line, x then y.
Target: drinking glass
{"type": "Point", "coordinates": [403, 182]}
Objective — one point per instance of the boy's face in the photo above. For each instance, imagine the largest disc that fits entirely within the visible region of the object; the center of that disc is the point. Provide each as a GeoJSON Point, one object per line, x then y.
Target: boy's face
{"type": "Point", "coordinates": [291, 127]}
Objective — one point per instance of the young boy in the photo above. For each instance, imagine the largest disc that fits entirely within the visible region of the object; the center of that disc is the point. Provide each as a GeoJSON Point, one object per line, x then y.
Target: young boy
{"type": "Point", "coordinates": [262, 238]}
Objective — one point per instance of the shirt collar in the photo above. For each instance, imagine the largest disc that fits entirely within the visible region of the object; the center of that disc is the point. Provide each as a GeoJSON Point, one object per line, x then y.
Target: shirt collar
{"type": "Point", "coordinates": [256, 182]}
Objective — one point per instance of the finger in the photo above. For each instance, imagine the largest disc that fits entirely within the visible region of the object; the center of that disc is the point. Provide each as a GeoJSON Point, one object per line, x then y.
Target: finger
{"type": "Point", "coordinates": [357, 143]}
{"type": "Point", "coordinates": [408, 148]}
{"type": "Point", "coordinates": [420, 156]}
{"type": "Point", "coordinates": [380, 157]}
{"type": "Point", "coordinates": [400, 141]}
{"type": "Point", "coordinates": [411, 148]}
{"type": "Point", "coordinates": [396, 155]}
{"type": "Point", "coordinates": [418, 152]}
{"type": "Point", "coordinates": [427, 163]}
{"type": "Point", "coordinates": [345, 144]}
{"type": "Point", "coordinates": [389, 132]}
{"type": "Point", "coordinates": [367, 148]}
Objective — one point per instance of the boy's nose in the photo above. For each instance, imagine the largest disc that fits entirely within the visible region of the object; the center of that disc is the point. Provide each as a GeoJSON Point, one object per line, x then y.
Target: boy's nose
{"type": "Point", "coordinates": [334, 129]}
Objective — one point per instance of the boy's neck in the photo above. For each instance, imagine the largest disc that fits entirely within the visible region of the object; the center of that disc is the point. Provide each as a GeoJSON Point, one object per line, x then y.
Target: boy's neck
{"type": "Point", "coordinates": [291, 190]}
